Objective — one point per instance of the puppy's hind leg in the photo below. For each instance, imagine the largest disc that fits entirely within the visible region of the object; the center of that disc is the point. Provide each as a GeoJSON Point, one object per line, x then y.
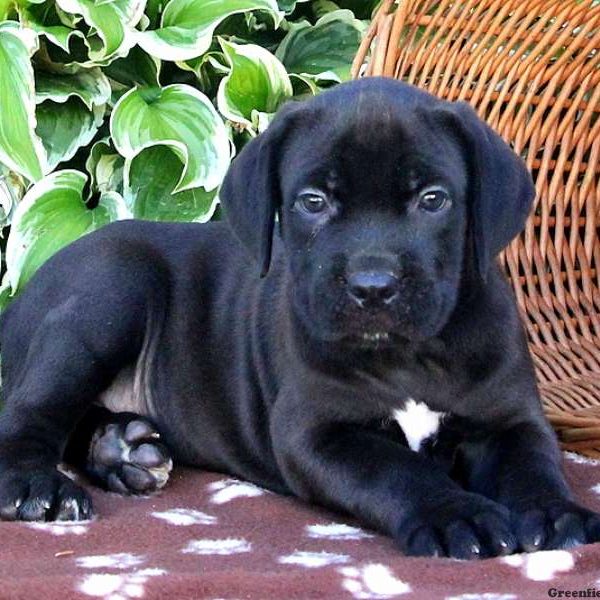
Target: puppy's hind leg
{"type": "Point", "coordinates": [81, 319]}
{"type": "Point", "coordinates": [121, 452]}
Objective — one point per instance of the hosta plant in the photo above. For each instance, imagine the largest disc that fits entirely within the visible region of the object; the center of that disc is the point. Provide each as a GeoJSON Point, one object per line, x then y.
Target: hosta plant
{"type": "Point", "coordinates": [113, 109]}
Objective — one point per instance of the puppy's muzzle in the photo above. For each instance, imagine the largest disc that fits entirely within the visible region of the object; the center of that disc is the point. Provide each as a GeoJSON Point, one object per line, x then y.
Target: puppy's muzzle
{"type": "Point", "coordinates": [373, 289]}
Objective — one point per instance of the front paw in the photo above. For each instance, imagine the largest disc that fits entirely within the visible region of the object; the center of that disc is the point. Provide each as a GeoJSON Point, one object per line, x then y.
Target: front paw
{"type": "Point", "coordinates": [461, 525]}
{"type": "Point", "coordinates": [41, 495]}
{"type": "Point", "coordinates": [555, 524]}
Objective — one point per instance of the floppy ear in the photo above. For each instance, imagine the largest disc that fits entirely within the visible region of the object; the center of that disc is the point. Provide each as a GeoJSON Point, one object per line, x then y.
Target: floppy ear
{"type": "Point", "coordinates": [251, 193]}
{"type": "Point", "coordinates": [500, 187]}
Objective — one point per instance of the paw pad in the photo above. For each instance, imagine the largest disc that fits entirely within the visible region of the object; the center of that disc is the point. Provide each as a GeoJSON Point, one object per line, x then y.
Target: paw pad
{"type": "Point", "coordinates": [129, 458]}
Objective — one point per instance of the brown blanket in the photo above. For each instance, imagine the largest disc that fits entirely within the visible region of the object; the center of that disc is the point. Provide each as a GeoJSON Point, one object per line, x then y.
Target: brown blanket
{"type": "Point", "coordinates": [209, 536]}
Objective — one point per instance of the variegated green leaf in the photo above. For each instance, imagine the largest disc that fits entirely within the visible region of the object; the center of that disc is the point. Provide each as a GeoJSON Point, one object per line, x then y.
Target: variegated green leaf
{"type": "Point", "coordinates": [209, 69]}
{"type": "Point", "coordinates": [160, 166]}
{"type": "Point", "coordinates": [5, 293]}
{"type": "Point", "coordinates": [310, 85]}
{"type": "Point", "coordinates": [180, 117]}
{"type": "Point", "coordinates": [12, 189]}
{"type": "Point", "coordinates": [288, 6]}
{"type": "Point", "coordinates": [20, 148]}
{"type": "Point", "coordinates": [153, 10]}
{"type": "Point", "coordinates": [187, 26]}
{"type": "Point", "coordinates": [105, 167]}
{"type": "Point", "coordinates": [321, 7]}
{"type": "Point", "coordinates": [44, 19]}
{"type": "Point", "coordinates": [113, 21]}
{"type": "Point", "coordinates": [8, 8]}
{"type": "Point", "coordinates": [257, 83]}
{"type": "Point", "coordinates": [91, 86]}
{"type": "Point", "coordinates": [326, 48]}
{"type": "Point", "coordinates": [66, 127]}
{"type": "Point", "coordinates": [51, 215]}
{"type": "Point", "coordinates": [136, 69]}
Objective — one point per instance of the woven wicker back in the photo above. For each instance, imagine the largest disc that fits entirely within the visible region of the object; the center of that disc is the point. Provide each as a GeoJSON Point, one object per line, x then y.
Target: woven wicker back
{"type": "Point", "coordinates": [531, 68]}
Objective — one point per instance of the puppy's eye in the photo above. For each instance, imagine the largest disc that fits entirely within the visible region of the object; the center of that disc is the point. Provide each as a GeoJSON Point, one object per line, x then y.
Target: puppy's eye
{"type": "Point", "coordinates": [433, 200]}
{"type": "Point", "coordinates": [312, 204]}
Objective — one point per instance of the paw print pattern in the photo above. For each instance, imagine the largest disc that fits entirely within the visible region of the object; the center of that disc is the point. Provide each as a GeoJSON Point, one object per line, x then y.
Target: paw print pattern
{"type": "Point", "coordinates": [228, 489]}
{"type": "Point", "coordinates": [313, 559]}
{"type": "Point", "coordinates": [543, 565]}
{"type": "Point", "coordinates": [336, 531]}
{"type": "Point", "coordinates": [185, 516]}
{"type": "Point", "coordinates": [60, 527]}
{"type": "Point", "coordinates": [223, 547]}
{"type": "Point", "coordinates": [122, 560]}
{"type": "Point", "coordinates": [372, 582]}
{"type": "Point", "coordinates": [114, 586]}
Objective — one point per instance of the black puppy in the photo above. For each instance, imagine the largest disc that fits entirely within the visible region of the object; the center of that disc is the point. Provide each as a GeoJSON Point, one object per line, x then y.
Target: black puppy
{"type": "Point", "coordinates": [379, 368]}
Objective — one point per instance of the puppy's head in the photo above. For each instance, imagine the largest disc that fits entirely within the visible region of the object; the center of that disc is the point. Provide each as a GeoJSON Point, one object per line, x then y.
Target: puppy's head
{"type": "Point", "coordinates": [384, 195]}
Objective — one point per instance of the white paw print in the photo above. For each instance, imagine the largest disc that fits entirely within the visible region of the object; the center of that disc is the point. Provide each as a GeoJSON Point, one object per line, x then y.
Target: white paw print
{"type": "Point", "coordinates": [223, 547]}
{"type": "Point", "coordinates": [60, 527]}
{"type": "Point", "coordinates": [336, 531]}
{"type": "Point", "coordinates": [122, 560]}
{"type": "Point", "coordinates": [112, 586]}
{"type": "Point", "coordinates": [313, 560]}
{"type": "Point", "coordinates": [581, 460]}
{"type": "Point", "coordinates": [228, 489]}
{"type": "Point", "coordinates": [542, 565]}
{"type": "Point", "coordinates": [373, 581]}
{"type": "Point", "coordinates": [185, 516]}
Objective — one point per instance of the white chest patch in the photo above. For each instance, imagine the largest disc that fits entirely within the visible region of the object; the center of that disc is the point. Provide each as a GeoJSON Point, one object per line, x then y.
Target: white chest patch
{"type": "Point", "coordinates": [418, 422]}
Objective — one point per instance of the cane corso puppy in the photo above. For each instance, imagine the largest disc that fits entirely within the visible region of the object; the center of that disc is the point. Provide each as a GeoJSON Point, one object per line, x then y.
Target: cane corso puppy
{"type": "Point", "coordinates": [378, 366]}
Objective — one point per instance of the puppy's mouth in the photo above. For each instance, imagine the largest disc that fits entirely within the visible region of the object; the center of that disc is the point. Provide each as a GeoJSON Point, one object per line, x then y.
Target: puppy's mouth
{"type": "Point", "coordinates": [375, 340]}
{"type": "Point", "coordinates": [370, 338]}
{"type": "Point", "coordinates": [368, 328]}
{"type": "Point", "coordinates": [380, 336]}
{"type": "Point", "coordinates": [411, 318]}
{"type": "Point", "coordinates": [384, 330]}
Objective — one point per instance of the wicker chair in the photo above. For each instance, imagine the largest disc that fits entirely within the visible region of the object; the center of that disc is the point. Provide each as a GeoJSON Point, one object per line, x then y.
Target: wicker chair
{"type": "Point", "coordinates": [531, 68]}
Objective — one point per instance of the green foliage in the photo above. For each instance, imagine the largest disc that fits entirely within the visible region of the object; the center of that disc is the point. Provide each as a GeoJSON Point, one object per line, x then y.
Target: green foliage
{"type": "Point", "coordinates": [114, 109]}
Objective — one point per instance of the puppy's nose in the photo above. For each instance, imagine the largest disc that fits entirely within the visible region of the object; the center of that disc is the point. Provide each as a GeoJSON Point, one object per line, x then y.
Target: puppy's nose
{"type": "Point", "coordinates": [372, 288]}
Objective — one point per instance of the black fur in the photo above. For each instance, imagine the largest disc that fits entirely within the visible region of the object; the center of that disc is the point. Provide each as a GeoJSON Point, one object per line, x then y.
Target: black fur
{"type": "Point", "coordinates": [290, 381]}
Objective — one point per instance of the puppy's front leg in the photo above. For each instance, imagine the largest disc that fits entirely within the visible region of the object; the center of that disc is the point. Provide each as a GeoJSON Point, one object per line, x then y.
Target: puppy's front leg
{"type": "Point", "coordinates": [386, 485]}
{"type": "Point", "coordinates": [520, 467]}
